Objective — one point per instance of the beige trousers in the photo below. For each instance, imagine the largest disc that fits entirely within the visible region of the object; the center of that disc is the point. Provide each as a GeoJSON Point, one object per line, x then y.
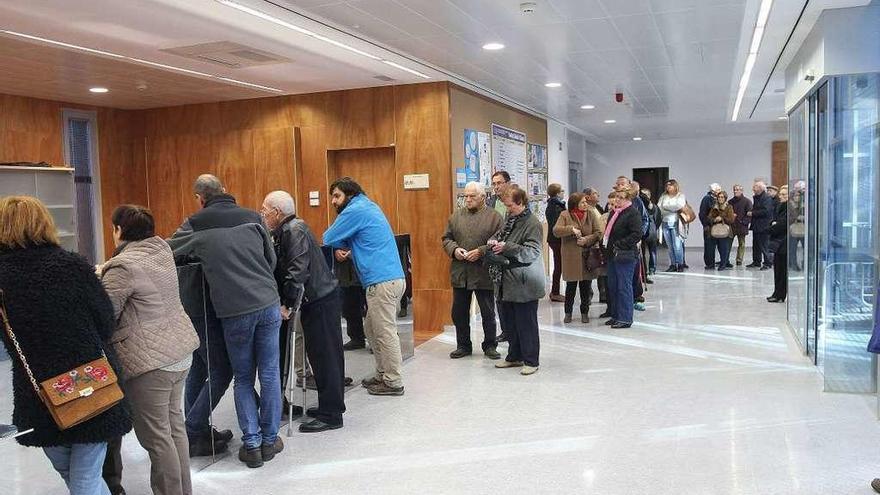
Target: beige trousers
{"type": "Point", "coordinates": [157, 416]}
{"type": "Point", "coordinates": [380, 329]}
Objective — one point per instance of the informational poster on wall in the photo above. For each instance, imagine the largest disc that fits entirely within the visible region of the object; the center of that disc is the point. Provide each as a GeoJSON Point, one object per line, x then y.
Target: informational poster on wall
{"type": "Point", "coordinates": [537, 156]}
{"type": "Point", "coordinates": [471, 156]}
{"type": "Point", "coordinates": [509, 153]}
{"type": "Point", "coordinates": [484, 144]}
{"type": "Point", "coordinates": [537, 184]}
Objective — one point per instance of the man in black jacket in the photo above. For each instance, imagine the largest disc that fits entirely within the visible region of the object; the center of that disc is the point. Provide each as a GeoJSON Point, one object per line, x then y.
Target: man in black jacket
{"type": "Point", "coordinates": [238, 259]}
{"type": "Point", "coordinates": [302, 271]}
{"type": "Point", "coordinates": [762, 215]}
{"type": "Point", "coordinates": [708, 247]}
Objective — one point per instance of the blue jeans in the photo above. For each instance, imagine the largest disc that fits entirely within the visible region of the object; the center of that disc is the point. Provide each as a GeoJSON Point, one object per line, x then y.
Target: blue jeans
{"type": "Point", "coordinates": [252, 343]}
{"type": "Point", "coordinates": [80, 467]}
{"type": "Point", "coordinates": [205, 385]}
{"type": "Point", "coordinates": [674, 244]}
{"type": "Point", "coordinates": [620, 285]}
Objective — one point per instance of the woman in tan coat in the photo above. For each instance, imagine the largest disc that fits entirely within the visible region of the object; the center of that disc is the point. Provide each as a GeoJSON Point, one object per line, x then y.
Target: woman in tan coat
{"type": "Point", "coordinates": [722, 214]}
{"type": "Point", "coordinates": [579, 228]}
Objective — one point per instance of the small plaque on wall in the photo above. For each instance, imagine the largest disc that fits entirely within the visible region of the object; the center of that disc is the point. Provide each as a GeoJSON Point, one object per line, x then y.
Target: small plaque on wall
{"type": "Point", "coordinates": [415, 181]}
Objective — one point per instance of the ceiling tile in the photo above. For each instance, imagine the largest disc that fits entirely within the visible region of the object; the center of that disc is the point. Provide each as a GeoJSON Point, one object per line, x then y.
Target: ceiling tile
{"type": "Point", "coordinates": [650, 58]}
{"type": "Point", "coordinates": [399, 16]}
{"type": "Point", "coordinates": [678, 27]}
{"type": "Point", "coordinates": [599, 34]}
{"type": "Point", "coordinates": [504, 13]}
{"type": "Point", "coordinates": [719, 22]}
{"type": "Point", "coordinates": [638, 30]}
{"type": "Point", "coordinates": [626, 7]}
{"type": "Point", "coordinates": [573, 10]}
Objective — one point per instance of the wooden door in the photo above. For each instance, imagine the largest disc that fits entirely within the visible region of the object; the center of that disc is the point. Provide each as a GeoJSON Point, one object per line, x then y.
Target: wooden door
{"type": "Point", "coordinates": [373, 169]}
{"type": "Point", "coordinates": [652, 179]}
{"type": "Point", "coordinates": [779, 160]}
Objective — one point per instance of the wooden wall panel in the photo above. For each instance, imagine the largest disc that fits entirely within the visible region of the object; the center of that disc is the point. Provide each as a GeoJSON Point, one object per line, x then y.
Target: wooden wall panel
{"type": "Point", "coordinates": [164, 182]}
{"type": "Point", "coordinates": [274, 162]}
{"type": "Point", "coordinates": [374, 169]}
{"type": "Point", "coordinates": [193, 157]}
{"type": "Point", "coordinates": [779, 160]}
{"type": "Point", "coordinates": [233, 155]}
{"type": "Point", "coordinates": [312, 159]}
{"type": "Point", "coordinates": [30, 130]}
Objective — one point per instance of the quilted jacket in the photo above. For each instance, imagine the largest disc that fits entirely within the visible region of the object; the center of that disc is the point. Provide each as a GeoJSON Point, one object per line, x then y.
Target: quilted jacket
{"type": "Point", "coordinates": [152, 329]}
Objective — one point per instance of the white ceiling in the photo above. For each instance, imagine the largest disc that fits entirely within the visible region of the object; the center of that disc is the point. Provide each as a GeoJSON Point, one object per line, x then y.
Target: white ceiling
{"type": "Point", "coordinates": [678, 62]}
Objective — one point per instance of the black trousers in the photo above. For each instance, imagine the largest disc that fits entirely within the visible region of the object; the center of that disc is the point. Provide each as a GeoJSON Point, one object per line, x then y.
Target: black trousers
{"type": "Point", "coordinates": [557, 268]}
{"type": "Point", "coordinates": [602, 285]}
{"type": "Point", "coordinates": [522, 331]}
{"type": "Point", "coordinates": [709, 249]}
{"type": "Point", "coordinates": [461, 317]}
{"type": "Point", "coordinates": [761, 249]}
{"type": "Point", "coordinates": [322, 331]}
{"type": "Point", "coordinates": [586, 289]}
{"type": "Point", "coordinates": [780, 275]}
{"type": "Point", "coordinates": [638, 286]}
{"type": "Point", "coordinates": [112, 469]}
{"type": "Point", "coordinates": [354, 307]}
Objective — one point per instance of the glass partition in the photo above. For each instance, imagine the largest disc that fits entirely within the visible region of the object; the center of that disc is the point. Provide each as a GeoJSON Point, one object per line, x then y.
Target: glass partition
{"type": "Point", "coordinates": [834, 241]}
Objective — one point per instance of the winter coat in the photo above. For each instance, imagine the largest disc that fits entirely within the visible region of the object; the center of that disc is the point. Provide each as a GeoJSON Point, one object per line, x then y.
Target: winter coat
{"type": "Point", "coordinates": [779, 229]}
{"type": "Point", "coordinates": [741, 207]}
{"type": "Point", "coordinates": [762, 213]}
{"type": "Point", "coordinates": [625, 233]}
{"type": "Point", "coordinates": [573, 266]}
{"type": "Point", "coordinates": [152, 329]}
{"type": "Point", "coordinates": [726, 213]}
{"type": "Point", "coordinates": [236, 253]}
{"type": "Point", "coordinates": [61, 317]}
{"type": "Point", "coordinates": [670, 206]}
{"type": "Point", "coordinates": [470, 230]}
{"type": "Point", "coordinates": [524, 246]}
{"type": "Point", "coordinates": [555, 207]}
{"type": "Point", "coordinates": [706, 205]}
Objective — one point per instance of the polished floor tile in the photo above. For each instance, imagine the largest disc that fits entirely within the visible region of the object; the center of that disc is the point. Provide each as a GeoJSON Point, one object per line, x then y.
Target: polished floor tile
{"type": "Point", "coordinates": [706, 394]}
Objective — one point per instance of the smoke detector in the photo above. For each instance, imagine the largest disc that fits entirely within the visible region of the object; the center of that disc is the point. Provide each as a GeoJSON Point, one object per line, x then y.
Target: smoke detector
{"type": "Point", "coordinates": [528, 7]}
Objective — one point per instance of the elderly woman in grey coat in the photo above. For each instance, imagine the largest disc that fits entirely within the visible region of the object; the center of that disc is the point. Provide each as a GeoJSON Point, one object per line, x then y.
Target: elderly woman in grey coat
{"type": "Point", "coordinates": [516, 265]}
{"type": "Point", "coordinates": [154, 340]}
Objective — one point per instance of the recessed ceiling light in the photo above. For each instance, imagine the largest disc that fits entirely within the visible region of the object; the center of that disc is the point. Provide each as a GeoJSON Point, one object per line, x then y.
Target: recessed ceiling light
{"type": "Point", "coordinates": [610, 121]}
{"type": "Point", "coordinates": [553, 84]}
{"type": "Point", "coordinates": [99, 89]}
{"type": "Point", "coordinates": [493, 46]}
{"type": "Point", "coordinates": [637, 138]}
{"type": "Point", "coordinates": [784, 117]}
{"type": "Point", "coordinates": [587, 107]}
{"type": "Point", "coordinates": [754, 46]}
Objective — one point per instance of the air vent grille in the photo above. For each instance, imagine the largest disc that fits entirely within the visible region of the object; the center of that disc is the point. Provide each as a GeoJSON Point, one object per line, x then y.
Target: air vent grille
{"type": "Point", "coordinates": [227, 54]}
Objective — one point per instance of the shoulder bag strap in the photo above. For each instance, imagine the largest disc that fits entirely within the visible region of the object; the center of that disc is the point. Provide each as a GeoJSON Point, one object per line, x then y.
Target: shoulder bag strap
{"type": "Point", "coordinates": [4, 315]}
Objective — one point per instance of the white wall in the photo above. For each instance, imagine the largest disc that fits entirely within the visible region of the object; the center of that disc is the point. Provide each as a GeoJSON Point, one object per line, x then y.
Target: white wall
{"type": "Point", "coordinates": [557, 159]}
{"type": "Point", "coordinates": [695, 163]}
{"type": "Point", "coordinates": [843, 41]}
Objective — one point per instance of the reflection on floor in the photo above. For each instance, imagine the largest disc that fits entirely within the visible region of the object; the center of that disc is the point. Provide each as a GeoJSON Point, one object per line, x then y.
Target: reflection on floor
{"type": "Point", "coordinates": [706, 394]}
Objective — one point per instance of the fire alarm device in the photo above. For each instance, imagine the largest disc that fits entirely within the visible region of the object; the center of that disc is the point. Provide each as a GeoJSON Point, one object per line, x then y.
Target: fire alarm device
{"type": "Point", "coordinates": [618, 97]}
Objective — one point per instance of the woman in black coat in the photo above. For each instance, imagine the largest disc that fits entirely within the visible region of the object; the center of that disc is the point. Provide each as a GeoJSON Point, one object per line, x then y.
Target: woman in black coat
{"type": "Point", "coordinates": [60, 316]}
{"type": "Point", "coordinates": [555, 207]}
{"type": "Point", "coordinates": [622, 236]}
{"type": "Point", "coordinates": [779, 246]}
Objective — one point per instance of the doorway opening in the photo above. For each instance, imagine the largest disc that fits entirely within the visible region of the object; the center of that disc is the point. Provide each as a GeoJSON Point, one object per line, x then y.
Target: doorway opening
{"type": "Point", "coordinates": [653, 179]}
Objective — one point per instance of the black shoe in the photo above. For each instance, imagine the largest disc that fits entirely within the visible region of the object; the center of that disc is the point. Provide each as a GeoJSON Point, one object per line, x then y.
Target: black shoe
{"type": "Point", "coordinates": [649, 281]}
{"type": "Point", "coordinates": [382, 388]}
{"type": "Point", "coordinates": [285, 411]}
{"type": "Point", "coordinates": [203, 447]}
{"type": "Point", "coordinates": [610, 323]}
{"type": "Point", "coordinates": [708, 267]}
{"type": "Point", "coordinates": [680, 268]}
{"type": "Point", "coordinates": [225, 435]}
{"type": "Point", "coordinates": [684, 265]}
{"type": "Point", "coordinates": [347, 382]}
{"type": "Point", "coordinates": [253, 458]}
{"type": "Point", "coordinates": [621, 325]}
{"type": "Point", "coordinates": [460, 353]}
{"type": "Point", "coordinates": [502, 337]}
{"type": "Point", "coordinates": [728, 266]}
{"type": "Point", "coordinates": [400, 314]}
{"type": "Point", "coordinates": [739, 263]}
{"type": "Point", "coordinates": [672, 269]}
{"type": "Point", "coordinates": [117, 490]}
{"type": "Point", "coordinates": [753, 265]}
{"type": "Point", "coordinates": [491, 353]}
{"type": "Point", "coordinates": [775, 300]}
{"type": "Point", "coordinates": [876, 485]}
{"type": "Point", "coordinates": [353, 345]}
{"type": "Point", "coordinates": [369, 382]}
{"type": "Point", "coordinates": [317, 426]}
{"type": "Point", "coordinates": [605, 315]}
{"type": "Point", "coordinates": [269, 451]}
{"type": "Point", "coordinates": [765, 268]}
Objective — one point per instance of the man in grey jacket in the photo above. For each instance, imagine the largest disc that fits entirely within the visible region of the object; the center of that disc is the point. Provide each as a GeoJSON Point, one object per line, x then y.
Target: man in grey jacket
{"type": "Point", "coordinates": [238, 259]}
{"type": "Point", "coordinates": [465, 242]}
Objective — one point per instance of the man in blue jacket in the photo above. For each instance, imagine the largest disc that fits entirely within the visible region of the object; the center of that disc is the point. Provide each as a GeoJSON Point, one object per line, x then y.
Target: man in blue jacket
{"type": "Point", "coordinates": [705, 206]}
{"type": "Point", "coordinates": [762, 216]}
{"type": "Point", "coordinates": [362, 232]}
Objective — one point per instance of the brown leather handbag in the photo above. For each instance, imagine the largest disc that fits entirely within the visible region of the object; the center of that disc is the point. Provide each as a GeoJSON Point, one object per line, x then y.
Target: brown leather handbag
{"type": "Point", "coordinates": [687, 214]}
{"type": "Point", "coordinates": [594, 258]}
{"type": "Point", "coordinates": [77, 395]}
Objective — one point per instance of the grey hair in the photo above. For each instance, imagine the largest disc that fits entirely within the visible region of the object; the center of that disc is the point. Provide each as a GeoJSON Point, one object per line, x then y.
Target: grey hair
{"type": "Point", "coordinates": [715, 186]}
{"type": "Point", "coordinates": [476, 185]}
{"type": "Point", "coordinates": [208, 187]}
{"type": "Point", "coordinates": [590, 190]}
{"type": "Point", "coordinates": [761, 184]}
{"type": "Point", "coordinates": [281, 200]}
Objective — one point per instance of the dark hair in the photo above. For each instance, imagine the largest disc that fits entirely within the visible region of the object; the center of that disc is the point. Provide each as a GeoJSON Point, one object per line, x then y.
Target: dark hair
{"type": "Point", "coordinates": [574, 200]}
{"type": "Point", "coordinates": [554, 190]}
{"type": "Point", "coordinates": [135, 222]}
{"type": "Point", "coordinates": [347, 186]}
{"type": "Point", "coordinates": [516, 194]}
{"type": "Point", "coordinates": [504, 174]}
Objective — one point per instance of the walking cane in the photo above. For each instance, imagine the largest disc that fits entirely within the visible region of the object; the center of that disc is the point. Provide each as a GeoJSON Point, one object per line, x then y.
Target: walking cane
{"type": "Point", "coordinates": [291, 372]}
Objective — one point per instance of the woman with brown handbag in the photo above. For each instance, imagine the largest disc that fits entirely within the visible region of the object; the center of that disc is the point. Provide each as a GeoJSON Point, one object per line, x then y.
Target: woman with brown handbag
{"type": "Point", "coordinates": [671, 203]}
{"type": "Point", "coordinates": [578, 227]}
{"type": "Point", "coordinates": [57, 317]}
{"type": "Point", "coordinates": [721, 219]}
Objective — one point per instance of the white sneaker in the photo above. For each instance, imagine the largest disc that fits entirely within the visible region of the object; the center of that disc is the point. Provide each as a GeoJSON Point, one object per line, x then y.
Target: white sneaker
{"type": "Point", "coordinates": [508, 364]}
{"type": "Point", "coordinates": [528, 370]}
